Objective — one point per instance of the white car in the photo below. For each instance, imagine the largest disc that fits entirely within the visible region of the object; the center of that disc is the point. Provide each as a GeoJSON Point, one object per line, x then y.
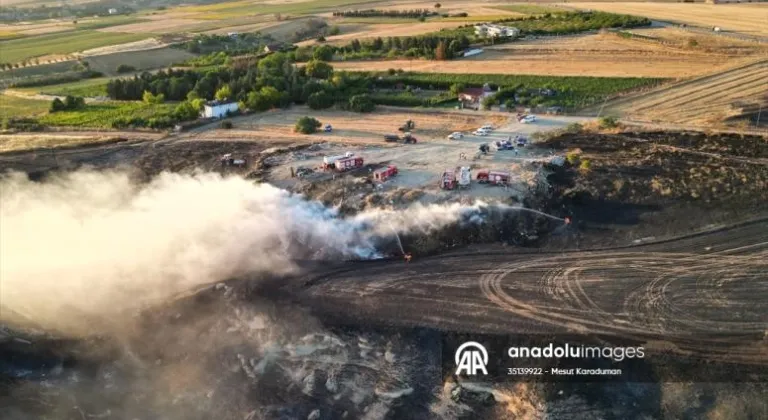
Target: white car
{"type": "Point", "coordinates": [487, 127]}
{"type": "Point", "coordinates": [528, 119]}
{"type": "Point", "coordinates": [480, 133]}
{"type": "Point", "coordinates": [455, 136]}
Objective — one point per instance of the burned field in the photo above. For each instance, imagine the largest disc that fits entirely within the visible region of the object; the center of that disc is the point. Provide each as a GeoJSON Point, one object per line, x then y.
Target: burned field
{"type": "Point", "coordinates": [660, 183]}
{"type": "Point", "coordinates": [659, 250]}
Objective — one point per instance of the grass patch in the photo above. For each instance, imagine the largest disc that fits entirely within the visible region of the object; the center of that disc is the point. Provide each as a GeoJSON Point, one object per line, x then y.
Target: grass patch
{"type": "Point", "coordinates": [529, 9]}
{"type": "Point", "coordinates": [34, 71]}
{"type": "Point", "coordinates": [103, 114]}
{"type": "Point", "coordinates": [85, 88]}
{"type": "Point", "coordinates": [17, 50]}
{"type": "Point", "coordinates": [15, 107]}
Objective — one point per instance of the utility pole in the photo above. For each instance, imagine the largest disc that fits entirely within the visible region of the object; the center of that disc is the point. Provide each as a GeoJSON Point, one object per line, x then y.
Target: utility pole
{"type": "Point", "coordinates": [759, 111]}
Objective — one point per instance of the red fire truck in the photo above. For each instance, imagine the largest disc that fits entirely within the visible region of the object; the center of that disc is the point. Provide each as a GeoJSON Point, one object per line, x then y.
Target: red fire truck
{"type": "Point", "coordinates": [348, 163]}
{"type": "Point", "coordinates": [493, 177]}
{"type": "Point", "coordinates": [384, 174]}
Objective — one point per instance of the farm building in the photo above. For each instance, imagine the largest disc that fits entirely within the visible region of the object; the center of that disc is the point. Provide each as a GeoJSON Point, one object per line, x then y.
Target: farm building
{"type": "Point", "coordinates": [216, 109]}
{"type": "Point", "coordinates": [112, 11]}
{"type": "Point", "coordinates": [492, 30]}
{"type": "Point", "coordinates": [472, 97]}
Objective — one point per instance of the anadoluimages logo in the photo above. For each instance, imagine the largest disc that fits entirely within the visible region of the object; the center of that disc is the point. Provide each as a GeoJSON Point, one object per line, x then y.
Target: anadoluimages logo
{"type": "Point", "coordinates": [471, 357]}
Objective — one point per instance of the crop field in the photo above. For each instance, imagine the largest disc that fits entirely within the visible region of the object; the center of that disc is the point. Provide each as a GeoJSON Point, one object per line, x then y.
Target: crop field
{"type": "Point", "coordinates": [385, 30]}
{"type": "Point", "coordinates": [85, 88]}
{"type": "Point", "coordinates": [142, 60]}
{"type": "Point", "coordinates": [236, 9]}
{"type": "Point", "coordinates": [553, 64]}
{"type": "Point", "coordinates": [747, 18]}
{"type": "Point", "coordinates": [530, 9]}
{"type": "Point", "coordinates": [706, 100]}
{"type": "Point", "coordinates": [14, 107]}
{"type": "Point", "coordinates": [102, 115]}
{"type": "Point", "coordinates": [158, 24]}
{"type": "Point", "coordinates": [17, 50]}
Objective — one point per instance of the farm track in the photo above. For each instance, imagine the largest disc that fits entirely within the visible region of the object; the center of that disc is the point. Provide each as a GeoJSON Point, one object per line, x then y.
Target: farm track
{"type": "Point", "coordinates": [701, 293]}
{"type": "Point", "coordinates": [699, 98]}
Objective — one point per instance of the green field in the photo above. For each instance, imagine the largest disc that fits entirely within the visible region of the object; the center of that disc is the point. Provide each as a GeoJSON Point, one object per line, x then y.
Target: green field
{"type": "Point", "coordinates": [102, 115]}
{"type": "Point", "coordinates": [17, 50]}
{"type": "Point", "coordinates": [85, 88]}
{"type": "Point", "coordinates": [14, 107]}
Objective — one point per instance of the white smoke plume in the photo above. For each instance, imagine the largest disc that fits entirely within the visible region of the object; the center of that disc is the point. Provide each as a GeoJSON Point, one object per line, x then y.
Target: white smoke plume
{"type": "Point", "coordinates": [90, 245]}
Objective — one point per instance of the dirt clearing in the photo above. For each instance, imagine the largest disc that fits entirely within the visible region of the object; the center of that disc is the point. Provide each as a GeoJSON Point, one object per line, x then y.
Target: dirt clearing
{"type": "Point", "coordinates": [30, 141]}
{"type": "Point", "coordinates": [747, 18]}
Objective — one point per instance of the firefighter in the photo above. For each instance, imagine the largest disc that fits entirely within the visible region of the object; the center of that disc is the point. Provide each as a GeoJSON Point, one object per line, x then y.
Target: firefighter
{"type": "Point", "coordinates": [407, 256]}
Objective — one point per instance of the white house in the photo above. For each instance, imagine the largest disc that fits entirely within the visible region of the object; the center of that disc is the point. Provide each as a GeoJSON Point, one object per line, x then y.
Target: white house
{"type": "Point", "coordinates": [217, 109]}
{"type": "Point", "coordinates": [112, 11]}
{"type": "Point", "coordinates": [489, 29]}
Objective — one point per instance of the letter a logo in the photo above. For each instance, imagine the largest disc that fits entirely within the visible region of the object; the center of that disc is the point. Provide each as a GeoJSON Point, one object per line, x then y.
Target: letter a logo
{"type": "Point", "coordinates": [471, 357]}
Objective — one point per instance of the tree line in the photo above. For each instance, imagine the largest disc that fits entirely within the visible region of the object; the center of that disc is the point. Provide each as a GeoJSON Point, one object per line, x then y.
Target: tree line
{"type": "Point", "coordinates": [415, 13]}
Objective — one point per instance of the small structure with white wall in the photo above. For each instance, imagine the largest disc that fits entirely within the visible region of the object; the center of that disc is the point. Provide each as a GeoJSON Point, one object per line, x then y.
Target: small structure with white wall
{"type": "Point", "coordinates": [217, 109]}
{"type": "Point", "coordinates": [112, 11]}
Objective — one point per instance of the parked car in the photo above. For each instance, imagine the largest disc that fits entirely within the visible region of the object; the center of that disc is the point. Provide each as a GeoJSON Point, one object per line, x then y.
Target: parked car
{"type": "Point", "coordinates": [527, 119]}
{"type": "Point", "coordinates": [480, 133]}
{"type": "Point", "coordinates": [455, 136]}
{"type": "Point", "coordinates": [487, 127]}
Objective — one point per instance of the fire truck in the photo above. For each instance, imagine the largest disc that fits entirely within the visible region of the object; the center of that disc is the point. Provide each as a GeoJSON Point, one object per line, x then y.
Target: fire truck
{"type": "Point", "coordinates": [383, 174]}
{"type": "Point", "coordinates": [348, 163]}
{"type": "Point", "coordinates": [448, 179]}
{"type": "Point", "coordinates": [493, 177]}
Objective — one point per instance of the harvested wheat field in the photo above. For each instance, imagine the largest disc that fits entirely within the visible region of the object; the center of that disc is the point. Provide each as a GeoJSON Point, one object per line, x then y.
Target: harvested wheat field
{"type": "Point", "coordinates": [159, 24]}
{"type": "Point", "coordinates": [350, 127]}
{"type": "Point", "coordinates": [604, 55]}
{"type": "Point", "coordinates": [386, 30]}
{"type": "Point", "coordinates": [747, 18]}
{"type": "Point", "coordinates": [706, 100]}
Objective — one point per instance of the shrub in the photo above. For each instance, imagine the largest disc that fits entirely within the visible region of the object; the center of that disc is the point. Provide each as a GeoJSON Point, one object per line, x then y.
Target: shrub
{"type": "Point", "coordinates": [320, 38]}
{"type": "Point", "coordinates": [307, 125]}
{"type": "Point", "coordinates": [572, 158]}
{"type": "Point", "coordinates": [585, 165]}
{"type": "Point", "coordinates": [574, 128]}
{"type": "Point", "coordinates": [125, 68]}
{"type": "Point", "coordinates": [335, 30]}
{"type": "Point", "coordinates": [227, 125]}
{"type": "Point", "coordinates": [608, 122]}
{"type": "Point", "coordinates": [361, 103]}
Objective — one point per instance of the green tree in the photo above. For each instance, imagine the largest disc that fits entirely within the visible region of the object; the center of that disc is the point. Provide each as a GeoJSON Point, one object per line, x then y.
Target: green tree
{"type": "Point", "coordinates": [456, 89]}
{"type": "Point", "coordinates": [185, 111]}
{"type": "Point", "coordinates": [318, 69]}
{"type": "Point", "coordinates": [320, 100]}
{"type": "Point", "coordinates": [307, 125]}
{"type": "Point", "coordinates": [149, 98]}
{"type": "Point", "coordinates": [323, 53]}
{"type": "Point", "coordinates": [361, 103]}
{"type": "Point", "coordinates": [56, 106]}
{"type": "Point", "coordinates": [223, 93]}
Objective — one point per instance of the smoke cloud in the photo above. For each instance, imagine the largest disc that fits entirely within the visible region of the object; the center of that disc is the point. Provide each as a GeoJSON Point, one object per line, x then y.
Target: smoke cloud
{"type": "Point", "coordinates": [84, 247]}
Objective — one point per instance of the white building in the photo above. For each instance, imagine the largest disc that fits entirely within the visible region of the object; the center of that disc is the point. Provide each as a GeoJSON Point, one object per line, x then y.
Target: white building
{"type": "Point", "coordinates": [492, 30]}
{"type": "Point", "coordinates": [219, 109]}
{"type": "Point", "coordinates": [112, 11]}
